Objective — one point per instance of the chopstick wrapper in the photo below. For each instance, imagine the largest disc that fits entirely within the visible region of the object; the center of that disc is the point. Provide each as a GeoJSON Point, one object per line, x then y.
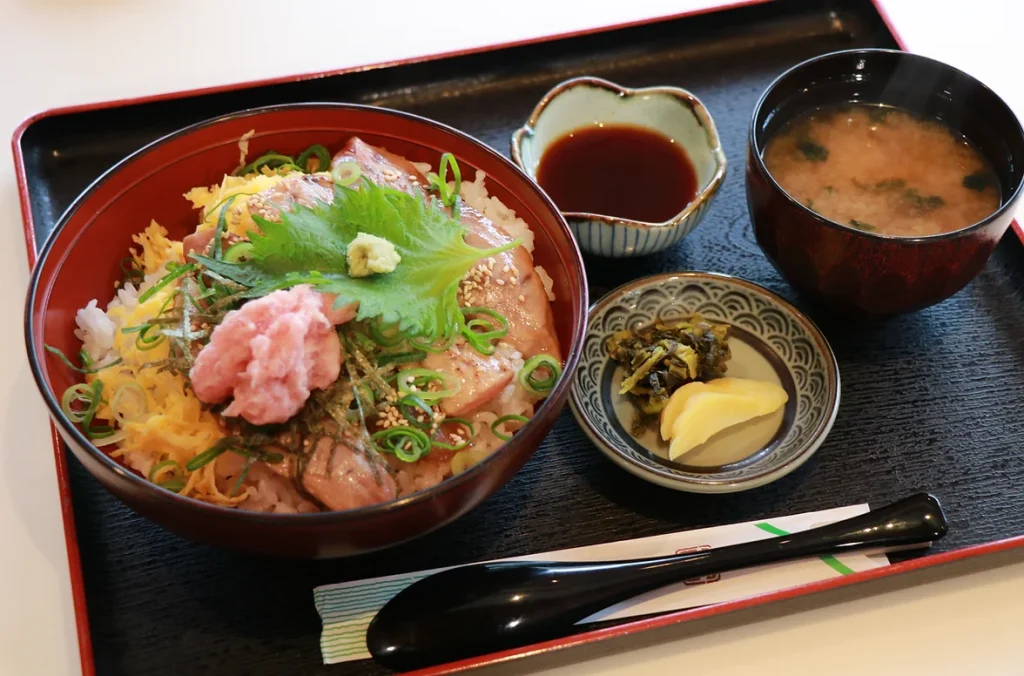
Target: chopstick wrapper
{"type": "Point", "coordinates": [346, 609]}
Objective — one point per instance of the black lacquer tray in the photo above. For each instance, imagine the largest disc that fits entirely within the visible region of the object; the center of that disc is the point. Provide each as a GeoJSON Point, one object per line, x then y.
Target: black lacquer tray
{"type": "Point", "coordinates": [930, 401]}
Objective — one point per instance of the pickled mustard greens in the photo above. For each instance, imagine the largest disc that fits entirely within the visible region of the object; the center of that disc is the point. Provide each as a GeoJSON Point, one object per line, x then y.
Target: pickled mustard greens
{"type": "Point", "coordinates": [661, 358]}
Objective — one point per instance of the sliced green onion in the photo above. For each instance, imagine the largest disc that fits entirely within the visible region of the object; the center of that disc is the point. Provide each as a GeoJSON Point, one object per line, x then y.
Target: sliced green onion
{"type": "Point", "coordinates": [90, 396]}
{"type": "Point", "coordinates": [469, 437]}
{"type": "Point", "coordinates": [238, 251]}
{"type": "Point", "coordinates": [208, 456]}
{"type": "Point", "coordinates": [107, 439]}
{"type": "Point", "coordinates": [87, 370]}
{"type": "Point", "coordinates": [222, 225]}
{"type": "Point", "coordinates": [269, 160]}
{"type": "Point", "coordinates": [408, 444]}
{"type": "Point", "coordinates": [223, 202]}
{"type": "Point", "coordinates": [175, 482]}
{"type": "Point", "coordinates": [439, 181]}
{"type": "Point", "coordinates": [504, 419]}
{"type": "Point", "coordinates": [481, 341]}
{"type": "Point", "coordinates": [269, 457]}
{"type": "Point", "coordinates": [141, 409]}
{"type": "Point", "coordinates": [174, 274]}
{"type": "Point", "coordinates": [435, 347]}
{"type": "Point", "coordinates": [421, 379]}
{"type": "Point", "coordinates": [241, 479]}
{"type": "Point", "coordinates": [346, 173]}
{"type": "Point", "coordinates": [173, 485]}
{"type": "Point", "coordinates": [131, 273]}
{"type": "Point", "coordinates": [401, 357]}
{"type": "Point", "coordinates": [144, 343]}
{"type": "Point", "coordinates": [77, 394]}
{"type": "Point", "coordinates": [412, 404]}
{"type": "Point", "coordinates": [100, 432]}
{"type": "Point", "coordinates": [84, 357]}
{"type": "Point", "coordinates": [367, 393]}
{"type": "Point", "coordinates": [363, 341]}
{"type": "Point", "coordinates": [537, 363]}
{"type": "Point", "coordinates": [250, 454]}
{"type": "Point", "coordinates": [389, 339]}
{"type": "Point", "coordinates": [322, 155]}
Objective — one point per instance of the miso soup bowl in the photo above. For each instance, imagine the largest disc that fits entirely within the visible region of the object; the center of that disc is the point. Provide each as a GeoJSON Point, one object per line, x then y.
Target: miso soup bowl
{"type": "Point", "coordinates": [868, 273]}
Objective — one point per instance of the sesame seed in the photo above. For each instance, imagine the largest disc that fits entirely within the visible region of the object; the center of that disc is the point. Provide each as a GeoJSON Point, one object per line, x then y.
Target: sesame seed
{"type": "Point", "coordinates": [522, 298]}
{"type": "Point", "coordinates": [501, 282]}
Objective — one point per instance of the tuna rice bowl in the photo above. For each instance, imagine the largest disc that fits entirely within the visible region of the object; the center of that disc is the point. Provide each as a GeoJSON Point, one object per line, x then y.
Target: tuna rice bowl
{"type": "Point", "coordinates": [339, 331]}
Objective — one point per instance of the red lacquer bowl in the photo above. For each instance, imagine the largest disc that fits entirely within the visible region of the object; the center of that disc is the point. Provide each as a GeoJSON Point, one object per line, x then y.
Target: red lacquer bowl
{"type": "Point", "coordinates": [81, 261]}
{"type": "Point", "coordinates": [865, 273]}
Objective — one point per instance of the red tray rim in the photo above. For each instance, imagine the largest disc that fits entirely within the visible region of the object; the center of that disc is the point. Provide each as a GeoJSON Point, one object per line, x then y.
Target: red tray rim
{"type": "Point", "coordinates": [625, 629]}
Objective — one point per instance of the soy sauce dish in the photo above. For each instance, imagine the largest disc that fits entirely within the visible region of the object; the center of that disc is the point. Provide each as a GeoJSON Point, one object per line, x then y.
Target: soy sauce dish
{"type": "Point", "coordinates": [632, 170]}
{"type": "Point", "coordinates": [879, 182]}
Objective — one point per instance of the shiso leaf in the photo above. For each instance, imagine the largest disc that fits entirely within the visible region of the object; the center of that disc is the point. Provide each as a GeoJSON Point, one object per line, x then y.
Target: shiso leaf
{"type": "Point", "coordinates": [309, 246]}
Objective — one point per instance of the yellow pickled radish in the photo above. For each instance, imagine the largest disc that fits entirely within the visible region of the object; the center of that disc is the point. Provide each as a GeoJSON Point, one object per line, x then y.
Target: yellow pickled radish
{"type": "Point", "coordinates": [675, 406]}
{"type": "Point", "coordinates": [717, 405]}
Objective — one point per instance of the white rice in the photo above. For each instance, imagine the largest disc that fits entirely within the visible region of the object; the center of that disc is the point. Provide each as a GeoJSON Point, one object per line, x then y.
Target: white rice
{"type": "Point", "coordinates": [476, 196]}
{"type": "Point", "coordinates": [513, 400]}
{"type": "Point", "coordinates": [96, 329]}
{"type": "Point", "coordinates": [545, 279]}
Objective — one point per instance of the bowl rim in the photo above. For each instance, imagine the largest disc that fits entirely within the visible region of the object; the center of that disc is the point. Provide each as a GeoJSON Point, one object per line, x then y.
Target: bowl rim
{"type": "Point", "coordinates": [1007, 204]}
{"type": "Point", "coordinates": [700, 111]}
{"type": "Point", "coordinates": [712, 486]}
{"type": "Point", "coordinates": [327, 517]}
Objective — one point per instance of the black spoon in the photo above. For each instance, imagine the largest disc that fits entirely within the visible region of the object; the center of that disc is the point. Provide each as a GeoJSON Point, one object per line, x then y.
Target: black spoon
{"type": "Point", "coordinates": [482, 608]}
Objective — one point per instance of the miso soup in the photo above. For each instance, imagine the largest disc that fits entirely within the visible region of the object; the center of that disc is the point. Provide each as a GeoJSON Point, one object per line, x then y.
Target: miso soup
{"type": "Point", "coordinates": [883, 170]}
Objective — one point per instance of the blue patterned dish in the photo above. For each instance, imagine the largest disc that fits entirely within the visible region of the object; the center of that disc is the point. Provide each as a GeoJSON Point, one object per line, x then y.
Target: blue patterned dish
{"type": "Point", "coordinates": [770, 340]}
{"type": "Point", "coordinates": [671, 111]}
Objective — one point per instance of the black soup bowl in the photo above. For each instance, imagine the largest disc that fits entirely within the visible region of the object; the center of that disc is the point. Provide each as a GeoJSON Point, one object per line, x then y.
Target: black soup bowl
{"type": "Point", "coordinates": [867, 273]}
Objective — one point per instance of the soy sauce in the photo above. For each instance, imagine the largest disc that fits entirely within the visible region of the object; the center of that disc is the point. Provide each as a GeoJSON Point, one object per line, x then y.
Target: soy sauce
{"type": "Point", "coordinates": [618, 170]}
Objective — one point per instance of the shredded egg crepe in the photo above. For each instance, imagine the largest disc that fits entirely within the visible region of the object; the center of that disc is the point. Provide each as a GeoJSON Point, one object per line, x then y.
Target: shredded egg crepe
{"type": "Point", "coordinates": [214, 199]}
{"type": "Point", "coordinates": [162, 417]}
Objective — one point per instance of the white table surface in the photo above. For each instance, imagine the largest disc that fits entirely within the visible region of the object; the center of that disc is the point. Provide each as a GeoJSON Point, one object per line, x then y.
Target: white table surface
{"type": "Point", "coordinates": [964, 619]}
